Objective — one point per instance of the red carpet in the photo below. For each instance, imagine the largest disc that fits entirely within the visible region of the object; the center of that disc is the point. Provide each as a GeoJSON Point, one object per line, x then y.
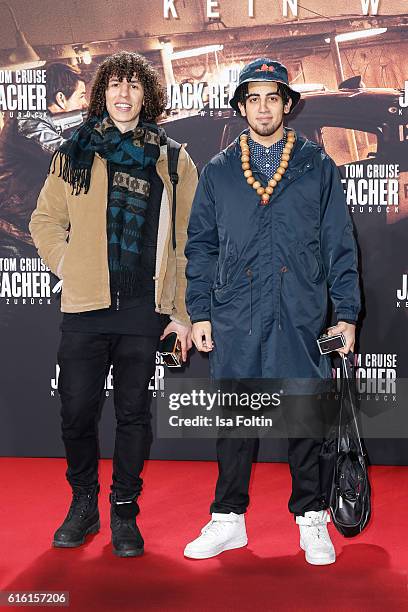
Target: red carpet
{"type": "Point", "coordinates": [270, 574]}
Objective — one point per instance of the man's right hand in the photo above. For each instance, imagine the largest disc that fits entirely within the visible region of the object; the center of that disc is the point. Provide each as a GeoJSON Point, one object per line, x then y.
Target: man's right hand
{"type": "Point", "coordinates": [201, 336]}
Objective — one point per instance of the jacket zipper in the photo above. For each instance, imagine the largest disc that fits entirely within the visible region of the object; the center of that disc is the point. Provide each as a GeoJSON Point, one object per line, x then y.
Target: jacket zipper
{"type": "Point", "coordinates": [249, 275]}
{"type": "Point", "coordinates": [117, 300]}
{"type": "Point", "coordinates": [281, 273]}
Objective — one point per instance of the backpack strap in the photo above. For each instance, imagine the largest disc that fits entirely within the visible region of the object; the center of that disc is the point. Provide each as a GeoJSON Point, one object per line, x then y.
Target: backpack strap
{"type": "Point", "coordinates": [173, 152]}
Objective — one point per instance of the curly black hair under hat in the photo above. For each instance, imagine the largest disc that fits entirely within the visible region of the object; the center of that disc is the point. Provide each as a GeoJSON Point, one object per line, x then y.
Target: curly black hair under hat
{"type": "Point", "coordinates": [282, 90]}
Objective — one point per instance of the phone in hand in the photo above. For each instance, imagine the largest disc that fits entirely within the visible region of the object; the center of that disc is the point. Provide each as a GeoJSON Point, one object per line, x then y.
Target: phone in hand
{"type": "Point", "coordinates": [170, 350]}
{"type": "Point", "coordinates": [328, 344]}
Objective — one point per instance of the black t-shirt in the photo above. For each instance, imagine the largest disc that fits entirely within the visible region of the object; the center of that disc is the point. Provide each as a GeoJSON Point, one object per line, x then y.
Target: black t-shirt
{"type": "Point", "coordinates": [135, 314]}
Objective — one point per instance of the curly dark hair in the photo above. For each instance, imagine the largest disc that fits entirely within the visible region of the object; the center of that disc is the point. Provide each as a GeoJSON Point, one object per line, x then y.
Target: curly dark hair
{"type": "Point", "coordinates": [122, 65]}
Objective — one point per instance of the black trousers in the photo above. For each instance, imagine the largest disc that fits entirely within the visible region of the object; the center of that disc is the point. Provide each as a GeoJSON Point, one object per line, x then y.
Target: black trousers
{"type": "Point", "coordinates": [235, 456]}
{"type": "Point", "coordinates": [84, 361]}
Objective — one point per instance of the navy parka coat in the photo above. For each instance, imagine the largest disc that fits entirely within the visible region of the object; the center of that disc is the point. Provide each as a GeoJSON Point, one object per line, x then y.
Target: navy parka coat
{"type": "Point", "coordinates": [263, 274]}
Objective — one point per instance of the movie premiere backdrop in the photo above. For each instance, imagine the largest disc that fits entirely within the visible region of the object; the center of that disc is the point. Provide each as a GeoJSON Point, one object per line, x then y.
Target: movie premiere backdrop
{"type": "Point", "coordinates": [347, 58]}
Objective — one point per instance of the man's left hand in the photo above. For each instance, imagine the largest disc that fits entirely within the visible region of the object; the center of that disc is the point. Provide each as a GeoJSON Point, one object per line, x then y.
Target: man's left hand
{"type": "Point", "coordinates": [349, 332]}
{"type": "Point", "coordinates": [184, 334]}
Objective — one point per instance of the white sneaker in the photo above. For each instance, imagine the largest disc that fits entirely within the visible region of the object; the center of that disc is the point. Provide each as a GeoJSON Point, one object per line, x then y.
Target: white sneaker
{"type": "Point", "coordinates": [315, 539]}
{"type": "Point", "coordinates": [223, 532]}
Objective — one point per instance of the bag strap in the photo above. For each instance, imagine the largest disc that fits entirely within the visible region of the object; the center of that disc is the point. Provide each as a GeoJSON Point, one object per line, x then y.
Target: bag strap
{"type": "Point", "coordinates": [173, 152]}
{"type": "Point", "coordinates": [346, 389]}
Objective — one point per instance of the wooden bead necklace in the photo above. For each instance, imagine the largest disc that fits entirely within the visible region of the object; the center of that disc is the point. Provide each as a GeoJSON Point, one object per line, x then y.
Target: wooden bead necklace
{"type": "Point", "coordinates": [265, 192]}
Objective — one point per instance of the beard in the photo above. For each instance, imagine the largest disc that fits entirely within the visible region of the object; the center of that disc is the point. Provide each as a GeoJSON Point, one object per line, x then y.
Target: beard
{"type": "Point", "coordinates": [266, 129]}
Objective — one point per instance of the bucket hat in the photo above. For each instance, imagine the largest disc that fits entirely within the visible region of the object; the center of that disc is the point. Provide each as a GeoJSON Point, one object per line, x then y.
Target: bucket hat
{"type": "Point", "coordinates": [264, 69]}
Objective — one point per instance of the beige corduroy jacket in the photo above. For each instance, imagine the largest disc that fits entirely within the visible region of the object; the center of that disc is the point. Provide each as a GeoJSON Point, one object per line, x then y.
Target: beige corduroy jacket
{"type": "Point", "coordinates": [70, 234]}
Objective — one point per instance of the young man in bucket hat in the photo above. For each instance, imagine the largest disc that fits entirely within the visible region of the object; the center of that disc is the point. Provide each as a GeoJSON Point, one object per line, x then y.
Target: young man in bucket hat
{"type": "Point", "coordinates": [269, 237]}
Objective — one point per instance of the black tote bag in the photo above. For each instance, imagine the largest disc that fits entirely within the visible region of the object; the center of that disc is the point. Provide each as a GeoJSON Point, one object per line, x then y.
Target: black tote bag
{"type": "Point", "coordinates": [343, 465]}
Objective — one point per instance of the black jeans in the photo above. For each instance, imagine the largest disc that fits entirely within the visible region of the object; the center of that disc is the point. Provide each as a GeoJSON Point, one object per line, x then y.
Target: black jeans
{"type": "Point", "coordinates": [235, 456]}
{"type": "Point", "coordinates": [84, 361]}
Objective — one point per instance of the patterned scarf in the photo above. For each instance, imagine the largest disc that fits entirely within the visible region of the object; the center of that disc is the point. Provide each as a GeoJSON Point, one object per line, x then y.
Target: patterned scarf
{"type": "Point", "coordinates": [131, 155]}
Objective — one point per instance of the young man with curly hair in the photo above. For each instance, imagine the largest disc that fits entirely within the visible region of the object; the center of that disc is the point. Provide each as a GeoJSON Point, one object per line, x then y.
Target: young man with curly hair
{"type": "Point", "coordinates": [104, 225]}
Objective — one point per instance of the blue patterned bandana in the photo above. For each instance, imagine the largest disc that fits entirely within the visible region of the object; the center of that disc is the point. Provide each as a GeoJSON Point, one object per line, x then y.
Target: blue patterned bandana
{"type": "Point", "coordinates": [131, 154]}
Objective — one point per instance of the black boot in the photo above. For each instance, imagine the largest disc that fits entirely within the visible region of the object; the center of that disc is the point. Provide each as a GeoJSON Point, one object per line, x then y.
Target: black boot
{"type": "Point", "coordinates": [127, 540]}
{"type": "Point", "coordinates": [82, 518]}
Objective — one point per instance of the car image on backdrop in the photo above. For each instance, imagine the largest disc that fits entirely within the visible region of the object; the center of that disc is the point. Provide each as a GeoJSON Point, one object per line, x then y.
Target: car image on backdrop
{"type": "Point", "coordinates": [324, 116]}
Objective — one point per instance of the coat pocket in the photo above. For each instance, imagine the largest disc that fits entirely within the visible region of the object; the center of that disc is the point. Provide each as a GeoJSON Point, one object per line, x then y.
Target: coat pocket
{"type": "Point", "coordinates": [60, 266]}
{"type": "Point", "coordinates": [224, 270]}
{"type": "Point", "coordinates": [309, 261]}
{"type": "Point", "coordinates": [62, 262]}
